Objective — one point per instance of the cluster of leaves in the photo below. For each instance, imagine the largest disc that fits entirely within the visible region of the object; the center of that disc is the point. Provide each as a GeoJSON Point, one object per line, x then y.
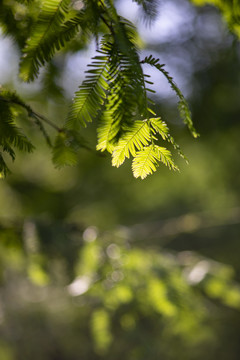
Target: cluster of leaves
{"type": "Point", "coordinates": [10, 135]}
{"type": "Point", "coordinates": [115, 91]}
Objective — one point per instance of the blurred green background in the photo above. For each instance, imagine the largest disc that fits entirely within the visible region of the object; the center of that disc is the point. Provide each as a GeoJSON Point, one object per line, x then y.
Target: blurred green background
{"type": "Point", "coordinates": [95, 264]}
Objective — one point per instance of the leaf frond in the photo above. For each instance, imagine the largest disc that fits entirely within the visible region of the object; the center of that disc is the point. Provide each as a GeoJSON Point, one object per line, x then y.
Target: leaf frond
{"type": "Point", "coordinates": [10, 98]}
{"type": "Point", "coordinates": [107, 133]}
{"type": "Point", "coordinates": [159, 127]}
{"type": "Point", "coordinates": [10, 135]}
{"type": "Point", "coordinates": [146, 160]}
{"type": "Point", "coordinates": [63, 153]}
{"type": "Point", "coordinates": [66, 146]}
{"type": "Point", "coordinates": [134, 139]}
{"type": "Point", "coordinates": [182, 103]}
{"type": "Point", "coordinates": [56, 26]}
{"type": "Point", "coordinates": [89, 99]}
{"type": "Point", "coordinates": [149, 9]}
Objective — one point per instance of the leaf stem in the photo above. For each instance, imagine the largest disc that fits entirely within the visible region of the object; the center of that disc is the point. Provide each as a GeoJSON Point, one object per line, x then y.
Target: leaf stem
{"type": "Point", "coordinates": [32, 113]}
{"type": "Point", "coordinates": [110, 27]}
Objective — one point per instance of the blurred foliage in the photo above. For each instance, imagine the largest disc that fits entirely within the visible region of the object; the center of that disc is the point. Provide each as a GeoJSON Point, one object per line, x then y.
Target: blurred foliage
{"type": "Point", "coordinates": [230, 10]}
{"type": "Point", "coordinates": [105, 298]}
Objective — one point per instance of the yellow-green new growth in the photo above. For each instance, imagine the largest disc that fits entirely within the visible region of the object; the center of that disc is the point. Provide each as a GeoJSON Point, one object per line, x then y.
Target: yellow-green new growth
{"type": "Point", "coordinates": [146, 160]}
{"type": "Point", "coordinates": [139, 141]}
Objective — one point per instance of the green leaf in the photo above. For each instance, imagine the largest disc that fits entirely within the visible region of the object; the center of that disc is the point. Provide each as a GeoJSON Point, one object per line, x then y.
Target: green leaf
{"type": "Point", "coordinates": [146, 160]}
{"type": "Point", "coordinates": [63, 153]}
{"type": "Point", "coordinates": [66, 147]}
{"type": "Point", "coordinates": [182, 104]}
{"type": "Point", "coordinates": [52, 30]}
{"type": "Point", "coordinates": [149, 8]}
{"type": "Point", "coordinates": [124, 99]}
{"type": "Point", "coordinates": [159, 127]}
{"type": "Point", "coordinates": [89, 99]}
{"type": "Point", "coordinates": [135, 138]}
{"type": "Point", "coordinates": [107, 133]}
{"type": "Point", "coordinates": [12, 99]}
{"type": "Point", "coordinates": [10, 135]}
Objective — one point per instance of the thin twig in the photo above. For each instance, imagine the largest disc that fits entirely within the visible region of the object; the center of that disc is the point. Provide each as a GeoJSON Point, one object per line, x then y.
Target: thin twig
{"type": "Point", "coordinates": [34, 114]}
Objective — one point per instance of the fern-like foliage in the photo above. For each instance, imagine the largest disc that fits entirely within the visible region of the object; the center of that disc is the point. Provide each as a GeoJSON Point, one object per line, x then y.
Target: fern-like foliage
{"type": "Point", "coordinates": [10, 136]}
{"type": "Point", "coordinates": [16, 26]}
{"type": "Point", "coordinates": [13, 99]}
{"type": "Point", "coordinates": [66, 146]}
{"type": "Point", "coordinates": [146, 160]}
{"type": "Point", "coordinates": [38, 49]}
{"type": "Point", "coordinates": [57, 24]}
{"type": "Point", "coordinates": [91, 94]}
{"type": "Point", "coordinates": [125, 97]}
{"type": "Point", "coordinates": [149, 8]}
{"type": "Point", "coordinates": [109, 89]}
{"type": "Point", "coordinates": [134, 139]}
{"type": "Point", "coordinates": [114, 94]}
{"type": "Point", "coordinates": [140, 142]}
{"type": "Point", "coordinates": [63, 152]}
{"type": "Point", "coordinates": [182, 104]}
